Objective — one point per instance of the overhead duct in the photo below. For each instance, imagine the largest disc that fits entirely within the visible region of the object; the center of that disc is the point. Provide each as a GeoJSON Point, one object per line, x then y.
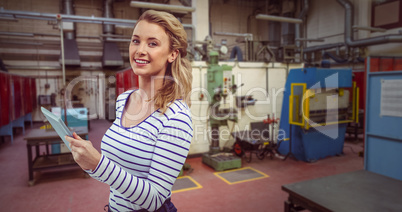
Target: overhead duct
{"type": "Point", "coordinates": [71, 56]}
{"type": "Point", "coordinates": [108, 29]}
{"type": "Point", "coordinates": [302, 15]}
{"type": "Point", "coordinates": [396, 38]}
{"type": "Point", "coordinates": [278, 18]}
{"type": "Point", "coordinates": [288, 31]}
{"type": "Point", "coordinates": [323, 47]}
{"type": "Point", "coordinates": [80, 19]}
{"type": "Point", "coordinates": [111, 53]}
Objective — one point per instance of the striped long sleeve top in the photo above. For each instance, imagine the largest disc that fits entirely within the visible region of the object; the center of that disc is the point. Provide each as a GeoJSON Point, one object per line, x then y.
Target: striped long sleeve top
{"type": "Point", "coordinates": [141, 163]}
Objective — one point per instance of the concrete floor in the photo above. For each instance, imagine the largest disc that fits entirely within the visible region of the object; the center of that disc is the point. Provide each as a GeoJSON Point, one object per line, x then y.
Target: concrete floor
{"type": "Point", "coordinates": [68, 189]}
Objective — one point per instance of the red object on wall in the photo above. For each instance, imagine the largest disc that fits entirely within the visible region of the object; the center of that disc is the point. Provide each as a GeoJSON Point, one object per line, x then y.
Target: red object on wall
{"type": "Point", "coordinates": [17, 97]}
{"type": "Point", "coordinates": [385, 64]}
{"type": "Point", "coordinates": [33, 94]}
{"type": "Point", "coordinates": [359, 78]}
{"type": "Point", "coordinates": [126, 80]}
{"type": "Point", "coordinates": [27, 95]}
{"type": "Point", "coordinates": [5, 97]}
{"type": "Point", "coordinates": [18, 100]}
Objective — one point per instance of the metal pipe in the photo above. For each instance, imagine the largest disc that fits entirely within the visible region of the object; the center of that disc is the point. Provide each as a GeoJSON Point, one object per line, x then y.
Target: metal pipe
{"type": "Point", "coordinates": [373, 29]}
{"type": "Point", "coordinates": [17, 34]}
{"type": "Point", "coordinates": [80, 19]}
{"type": "Point", "coordinates": [22, 43]}
{"type": "Point", "coordinates": [302, 15]}
{"type": "Point", "coordinates": [367, 41]}
{"type": "Point", "coordinates": [7, 18]}
{"type": "Point", "coordinates": [267, 80]}
{"type": "Point", "coordinates": [322, 47]}
{"type": "Point", "coordinates": [108, 13]}
{"type": "Point", "coordinates": [279, 18]}
{"type": "Point", "coordinates": [235, 34]}
{"type": "Point", "coordinates": [310, 39]}
{"type": "Point", "coordinates": [34, 68]}
{"type": "Point", "coordinates": [63, 66]}
{"type": "Point", "coordinates": [68, 7]}
{"type": "Point", "coordinates": [115, 36]}
{"type": "Point", "coordinates": [67, 18]}
{"type": "Point", "coordinates": [156, 6]}
{"type": "Point", "coordinates": [68, 10]}
{"type": "Point", "coordinates": [118, 40]}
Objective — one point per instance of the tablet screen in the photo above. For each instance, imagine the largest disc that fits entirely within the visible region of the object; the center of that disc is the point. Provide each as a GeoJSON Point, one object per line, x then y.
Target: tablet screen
{"type": "Point", "coordinates": [58, 125]}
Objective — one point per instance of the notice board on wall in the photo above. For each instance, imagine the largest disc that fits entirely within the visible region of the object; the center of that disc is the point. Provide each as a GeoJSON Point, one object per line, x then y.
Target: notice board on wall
{"type": "Point", "coordinates": [391, 98]}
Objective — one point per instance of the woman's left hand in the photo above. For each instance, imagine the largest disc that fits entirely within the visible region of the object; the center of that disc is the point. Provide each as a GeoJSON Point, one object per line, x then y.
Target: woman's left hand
{"type": "Point", "coordinates": [83, 152]}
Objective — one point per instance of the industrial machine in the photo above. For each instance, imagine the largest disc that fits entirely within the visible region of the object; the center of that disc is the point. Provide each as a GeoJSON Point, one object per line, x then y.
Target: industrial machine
{"type": "Point", "coordinates": [220, 84]}
{"type": "Point", "coordinates": [317, 105]}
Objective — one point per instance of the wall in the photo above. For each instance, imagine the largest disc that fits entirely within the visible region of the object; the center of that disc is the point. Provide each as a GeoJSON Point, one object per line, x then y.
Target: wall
{"type": "Point", "coordinates": [326, 20]}
{"type": "Point", "coordinates": [233, 17]}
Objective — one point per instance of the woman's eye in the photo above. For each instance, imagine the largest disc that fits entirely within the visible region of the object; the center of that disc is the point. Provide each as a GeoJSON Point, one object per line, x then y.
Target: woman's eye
{"type": "Point", "coordinates": [153, 44]}
{"type": "Point", "coordinates": [135, 41]}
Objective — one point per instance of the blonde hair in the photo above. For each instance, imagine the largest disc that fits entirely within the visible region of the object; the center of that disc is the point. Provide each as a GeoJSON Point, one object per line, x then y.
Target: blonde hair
{"type": "Point", "coordinates": [178, 76]}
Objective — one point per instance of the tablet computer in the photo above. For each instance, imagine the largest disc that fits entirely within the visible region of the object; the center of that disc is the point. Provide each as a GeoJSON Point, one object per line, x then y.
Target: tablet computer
{"type": "Point", "coordinates": [58, 125]}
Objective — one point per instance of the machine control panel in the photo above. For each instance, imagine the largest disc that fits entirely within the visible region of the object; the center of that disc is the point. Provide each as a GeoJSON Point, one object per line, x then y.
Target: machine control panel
{"type": "Point", "coordinates": [227, 82]}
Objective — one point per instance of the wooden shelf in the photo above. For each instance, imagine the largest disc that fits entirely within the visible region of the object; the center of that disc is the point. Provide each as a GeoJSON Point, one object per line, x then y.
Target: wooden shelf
{"type": "Point", "coordinates": [51, 161]}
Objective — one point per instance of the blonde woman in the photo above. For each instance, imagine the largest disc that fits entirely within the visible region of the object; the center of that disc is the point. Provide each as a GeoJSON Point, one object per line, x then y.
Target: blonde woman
{"type": "Point", "coordinates": [145, 148]}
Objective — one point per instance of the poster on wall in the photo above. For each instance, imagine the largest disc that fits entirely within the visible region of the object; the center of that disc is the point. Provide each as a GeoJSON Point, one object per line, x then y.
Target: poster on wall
{"type": "Point", "coordinates": [391, 98]}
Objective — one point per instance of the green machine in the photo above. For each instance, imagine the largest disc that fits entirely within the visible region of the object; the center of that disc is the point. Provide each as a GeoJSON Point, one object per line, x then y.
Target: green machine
{"type": "Point", "coordinates": [220, 84]}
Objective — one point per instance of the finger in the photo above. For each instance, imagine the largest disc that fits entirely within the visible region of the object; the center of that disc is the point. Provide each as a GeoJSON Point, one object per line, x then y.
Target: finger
{"type": "Point", "coordinates": [77, 136]}
{"type": "Point", "coordinates": [68, 138]}
{"type": "Point", "coordinates": [74, 142]}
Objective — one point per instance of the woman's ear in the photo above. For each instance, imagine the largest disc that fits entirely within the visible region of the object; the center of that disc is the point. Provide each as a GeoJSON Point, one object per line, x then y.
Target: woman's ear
{"type": "Point", "coordinates": [173, 55]}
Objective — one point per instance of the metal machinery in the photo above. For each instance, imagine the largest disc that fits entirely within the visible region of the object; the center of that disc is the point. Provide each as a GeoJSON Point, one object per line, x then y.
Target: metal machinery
{"type": "Point", "coordinates": [220, 84]}
{"type": "Point", "coordinates": [259, 140]}
{"type": "Point", "coordinates": [317, 105]}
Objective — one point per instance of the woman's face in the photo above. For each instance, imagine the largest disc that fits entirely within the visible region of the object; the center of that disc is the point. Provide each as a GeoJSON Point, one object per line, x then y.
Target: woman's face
{"type": "Point", "coordinates": [149, 50]}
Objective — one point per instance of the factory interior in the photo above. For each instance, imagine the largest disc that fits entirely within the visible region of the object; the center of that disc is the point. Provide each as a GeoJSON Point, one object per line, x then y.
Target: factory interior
{"type": "Point", "coordinates": [295, 104]}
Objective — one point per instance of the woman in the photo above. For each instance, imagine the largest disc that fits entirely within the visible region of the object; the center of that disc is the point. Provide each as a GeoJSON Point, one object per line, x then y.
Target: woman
{"type": "Point", "coordinates": [145, 148]}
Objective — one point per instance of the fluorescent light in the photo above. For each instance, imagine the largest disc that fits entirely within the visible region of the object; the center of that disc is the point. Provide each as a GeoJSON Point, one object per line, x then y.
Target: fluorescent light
{"type": "Point", "coordinates": [155, 6]}
{"type": "Point", "coordinates": [279, 18]}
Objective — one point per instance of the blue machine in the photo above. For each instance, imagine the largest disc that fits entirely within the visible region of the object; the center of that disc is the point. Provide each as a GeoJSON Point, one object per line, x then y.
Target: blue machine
{"type": "Point", "coordinates": [315, 111]}
{"type": "Point", "coordinates": [76, 117]}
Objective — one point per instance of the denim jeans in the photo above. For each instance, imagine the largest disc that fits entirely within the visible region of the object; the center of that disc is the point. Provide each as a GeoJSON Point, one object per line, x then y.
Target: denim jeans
{"type": "Point", "coordinates": [167, 206]}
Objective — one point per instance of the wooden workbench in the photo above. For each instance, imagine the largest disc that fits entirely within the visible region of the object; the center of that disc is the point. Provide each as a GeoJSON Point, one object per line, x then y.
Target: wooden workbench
{"type": "Point", "coordinates": [39, 137]}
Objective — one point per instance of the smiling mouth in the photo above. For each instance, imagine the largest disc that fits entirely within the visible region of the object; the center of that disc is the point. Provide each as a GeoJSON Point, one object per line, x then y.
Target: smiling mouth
{"type": "Point", "coordinates": [141, 61]}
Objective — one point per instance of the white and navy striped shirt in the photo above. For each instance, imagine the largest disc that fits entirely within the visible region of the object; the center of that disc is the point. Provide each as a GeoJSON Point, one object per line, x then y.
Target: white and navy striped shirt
{"type": "Point", "coordinates": [141, 163]}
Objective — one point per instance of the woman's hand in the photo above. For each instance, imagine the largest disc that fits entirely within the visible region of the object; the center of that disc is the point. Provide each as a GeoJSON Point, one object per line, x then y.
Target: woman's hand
{"type": "Point", "coordinates": [83, 152]}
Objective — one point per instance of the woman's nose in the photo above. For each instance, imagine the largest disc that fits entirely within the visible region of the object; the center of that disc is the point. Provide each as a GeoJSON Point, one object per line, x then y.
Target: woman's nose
{"type": "Point", "coordinates": [141, 50]}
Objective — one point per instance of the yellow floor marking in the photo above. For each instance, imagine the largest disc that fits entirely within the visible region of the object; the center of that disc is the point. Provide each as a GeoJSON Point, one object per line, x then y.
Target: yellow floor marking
{"type": "Point", "coordinates": [188, 189]}
{"type": "Point", "coordinates": [241, 181]}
